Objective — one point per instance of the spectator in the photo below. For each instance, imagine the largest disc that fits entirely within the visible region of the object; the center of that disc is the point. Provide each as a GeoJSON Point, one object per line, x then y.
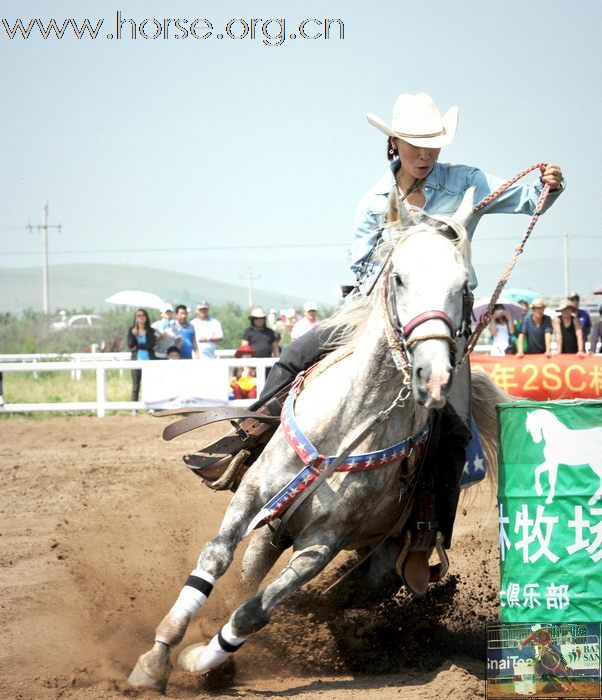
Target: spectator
{"type": "Point", "coordinates": [208, 331]}
{"type": "Point", "coordinates": [582, 315]}
{"type": "Point", "coordinates": [173, 353]}
{"type": "Point", "coordinates": [167, 336]}
{"type": "Point", "coordinates": [244, 382]}
{"type": "Point", "coordinates": [141, 341]}
{"type": "Point", "coordinates": [569, 335]}
{"type": "Point", "coordinates": [261, 338]}
{"type": "Point", "coordinates": [537, 329]}
{"type": "Point", "coordinates": [518, 324]}
{"type": "Point", "coordinates": [309, 320]}
{"type": "Point", "coordinates": [186, 332]}
{"type": "Point", "coordinates": [596, 334]}
{"type": "Point", "coordinates": [502, 331]}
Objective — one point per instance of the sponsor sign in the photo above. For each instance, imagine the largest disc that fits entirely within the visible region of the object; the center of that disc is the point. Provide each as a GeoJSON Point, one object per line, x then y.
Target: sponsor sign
{"type": "Point", "coordinates": [539, 378]}
{"type": "Point", "coordinates": [550, 511]}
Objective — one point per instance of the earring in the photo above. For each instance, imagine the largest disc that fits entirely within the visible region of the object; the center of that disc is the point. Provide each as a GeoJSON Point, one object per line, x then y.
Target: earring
{"type": "Point", "coordinates": [392, 151]}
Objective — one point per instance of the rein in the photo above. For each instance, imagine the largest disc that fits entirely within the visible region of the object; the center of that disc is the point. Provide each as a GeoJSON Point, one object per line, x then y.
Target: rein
{"type": "Point", "coordinates": [475, 335]}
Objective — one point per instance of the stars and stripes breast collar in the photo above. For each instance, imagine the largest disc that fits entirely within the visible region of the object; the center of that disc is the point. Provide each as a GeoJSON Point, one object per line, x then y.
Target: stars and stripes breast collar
{"type": "Point", "coordinates": [310, 455]}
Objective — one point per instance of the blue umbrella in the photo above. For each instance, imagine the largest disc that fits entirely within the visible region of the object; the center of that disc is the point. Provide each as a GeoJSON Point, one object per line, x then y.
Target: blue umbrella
{"type": "Point", "coordinates": [516, 294]}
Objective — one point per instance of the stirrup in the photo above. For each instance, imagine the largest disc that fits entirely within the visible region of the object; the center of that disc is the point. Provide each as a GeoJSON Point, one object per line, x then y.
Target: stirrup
{"type": "Point", "coordinates": [226, 480]}
{"type": "Point", "coordinates": [436, 571]}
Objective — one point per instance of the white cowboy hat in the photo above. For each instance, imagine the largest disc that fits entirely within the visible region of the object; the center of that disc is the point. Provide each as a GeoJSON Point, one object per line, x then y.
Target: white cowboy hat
{"type": "Point", "coordinates": [417, 120]}
{"type": "Point", "coordinates": [257, 312]}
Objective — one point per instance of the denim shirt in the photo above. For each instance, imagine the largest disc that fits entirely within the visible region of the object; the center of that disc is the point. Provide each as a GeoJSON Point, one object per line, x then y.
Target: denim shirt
{"type": "Point", "coordinates": [443, 190]}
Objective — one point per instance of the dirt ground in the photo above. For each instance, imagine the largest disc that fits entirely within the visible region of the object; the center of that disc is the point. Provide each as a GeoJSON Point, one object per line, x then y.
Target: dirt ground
{"type": "Point", "coordinates": [100, 524]}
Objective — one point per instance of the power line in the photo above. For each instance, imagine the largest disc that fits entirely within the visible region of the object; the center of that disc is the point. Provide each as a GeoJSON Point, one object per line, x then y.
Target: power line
{"type": "Point", "coordinates": [270, 246]}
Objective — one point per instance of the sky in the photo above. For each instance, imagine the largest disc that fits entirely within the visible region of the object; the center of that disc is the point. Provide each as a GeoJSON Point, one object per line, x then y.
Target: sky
{"type": "Point", "coordinates": [236, 156]}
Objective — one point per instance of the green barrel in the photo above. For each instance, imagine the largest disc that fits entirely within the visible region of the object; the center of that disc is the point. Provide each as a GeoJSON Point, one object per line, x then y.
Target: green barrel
{"type": "Point", "coordinates": [550, 511]}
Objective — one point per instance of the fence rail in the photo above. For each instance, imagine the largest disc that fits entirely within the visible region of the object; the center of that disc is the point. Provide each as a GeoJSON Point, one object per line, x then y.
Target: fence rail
{"type": "Point", "coordinates": [100, 367]}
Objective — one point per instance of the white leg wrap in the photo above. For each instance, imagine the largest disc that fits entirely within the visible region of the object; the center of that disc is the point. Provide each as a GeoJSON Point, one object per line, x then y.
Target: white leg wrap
{"type": "Point", "coordinates": [200, 657]}
{"type": "Point", "coordinates": [194, 594]}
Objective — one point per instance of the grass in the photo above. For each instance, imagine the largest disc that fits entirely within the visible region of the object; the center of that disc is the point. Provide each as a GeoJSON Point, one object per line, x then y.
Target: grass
{"type": "Point", "coordinates": [55, 387]}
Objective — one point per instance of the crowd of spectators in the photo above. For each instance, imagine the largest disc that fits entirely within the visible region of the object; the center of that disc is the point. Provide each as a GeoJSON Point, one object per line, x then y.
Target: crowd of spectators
{"type": "Point", "coordinates": [535, 331]}
{"type": "Point", "coordinates": [174, 337]}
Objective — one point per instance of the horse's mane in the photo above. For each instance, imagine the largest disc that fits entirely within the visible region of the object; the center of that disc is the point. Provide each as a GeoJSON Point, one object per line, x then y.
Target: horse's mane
{"type": "Point", "coordinates": [348, 322]}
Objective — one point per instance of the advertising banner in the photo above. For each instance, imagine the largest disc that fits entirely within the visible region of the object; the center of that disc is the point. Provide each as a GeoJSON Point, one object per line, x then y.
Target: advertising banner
{"type": "Point", "coordinates": [539, 378]}
{"type": "Point", "coordinates": [550, 511]}
{"type": "Point", "coordinates": [182, 383]}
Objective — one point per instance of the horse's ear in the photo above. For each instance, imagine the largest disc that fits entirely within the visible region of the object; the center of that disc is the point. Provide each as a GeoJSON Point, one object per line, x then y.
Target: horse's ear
{"type": "Point", "coordinates": [466, 209]}
{"type": "Point", "coordinates": [396, 210]}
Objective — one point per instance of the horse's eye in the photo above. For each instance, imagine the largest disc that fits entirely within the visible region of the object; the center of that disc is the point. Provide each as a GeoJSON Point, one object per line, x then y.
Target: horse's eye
{"type": "Point", "coordinates": [397, 279]}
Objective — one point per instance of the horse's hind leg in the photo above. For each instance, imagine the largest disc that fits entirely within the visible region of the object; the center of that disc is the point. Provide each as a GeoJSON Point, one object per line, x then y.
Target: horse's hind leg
{"type": "Point", "coordinates": [152, 669]}
{"type": "Point", "coordinates": [306, 563]}
{"type": "Point", "coordinates": [260, 556]}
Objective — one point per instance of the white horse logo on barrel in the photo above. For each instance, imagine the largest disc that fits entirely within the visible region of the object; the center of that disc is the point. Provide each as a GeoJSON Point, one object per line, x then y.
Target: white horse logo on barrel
{"type": "Point", "coordinates": [564, 446]}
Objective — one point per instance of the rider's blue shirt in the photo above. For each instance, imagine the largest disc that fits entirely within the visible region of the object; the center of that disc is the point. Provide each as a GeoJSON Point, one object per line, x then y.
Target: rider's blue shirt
{"type": "Point", "coordinates": [443, 189]}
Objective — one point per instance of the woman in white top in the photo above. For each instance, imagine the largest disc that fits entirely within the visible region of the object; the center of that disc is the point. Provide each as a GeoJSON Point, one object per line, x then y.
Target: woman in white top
{"type": "Point", "coordinates": [501, 328]}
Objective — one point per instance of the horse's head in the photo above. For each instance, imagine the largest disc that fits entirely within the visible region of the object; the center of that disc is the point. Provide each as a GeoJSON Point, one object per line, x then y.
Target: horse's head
{"type": "Point", "coordinates": [426, 279]}
{"type": "Point", "coordinates": [533, 424]}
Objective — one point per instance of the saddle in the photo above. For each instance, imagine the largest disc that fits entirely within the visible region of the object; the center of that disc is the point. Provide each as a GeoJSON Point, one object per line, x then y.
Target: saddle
{"type": "Point", "coordinates": [247, 434]}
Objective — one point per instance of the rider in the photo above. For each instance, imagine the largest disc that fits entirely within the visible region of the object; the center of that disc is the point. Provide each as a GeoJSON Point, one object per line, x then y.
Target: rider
{"type": "Point", "coordinates": [549, 661]}
{"type": "Point", "coordinates": [415, 138]}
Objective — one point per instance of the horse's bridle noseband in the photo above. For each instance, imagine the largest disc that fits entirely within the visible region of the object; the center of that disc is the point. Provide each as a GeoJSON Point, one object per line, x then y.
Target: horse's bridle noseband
{"type": "Point", "coordinates": [397, 333]}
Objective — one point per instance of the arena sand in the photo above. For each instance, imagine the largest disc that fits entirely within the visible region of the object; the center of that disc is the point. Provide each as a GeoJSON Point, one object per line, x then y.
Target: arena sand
{"type": "Point", "coordinates": [101, 523]}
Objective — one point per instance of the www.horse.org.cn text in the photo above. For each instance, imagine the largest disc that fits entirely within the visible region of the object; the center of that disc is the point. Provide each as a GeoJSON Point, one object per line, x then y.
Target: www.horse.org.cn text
{"type": "Point", "coordinates": [269, 32]}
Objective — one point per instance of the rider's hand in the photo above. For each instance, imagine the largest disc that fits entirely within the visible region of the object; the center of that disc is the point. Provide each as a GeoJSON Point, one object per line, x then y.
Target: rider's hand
{"type": "Point", "coordinates": [551, 175]}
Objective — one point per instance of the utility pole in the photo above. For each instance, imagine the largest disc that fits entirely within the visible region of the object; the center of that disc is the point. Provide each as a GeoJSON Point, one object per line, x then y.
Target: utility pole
{"type": "Point", "coordinates": [44, 228]}
{"type": "Point", "coordinates": [565, 267]}
{"type": "Point", "coordinates": [250, 279]}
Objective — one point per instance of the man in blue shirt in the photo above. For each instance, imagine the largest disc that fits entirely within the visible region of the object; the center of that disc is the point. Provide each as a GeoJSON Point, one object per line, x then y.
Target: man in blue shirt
{"type": "Point", "coordinates": [186, 332]}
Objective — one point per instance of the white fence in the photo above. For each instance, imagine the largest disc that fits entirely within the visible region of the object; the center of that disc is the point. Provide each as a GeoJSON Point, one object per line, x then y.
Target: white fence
{"type": "Point", "coordinates": [100, 367]}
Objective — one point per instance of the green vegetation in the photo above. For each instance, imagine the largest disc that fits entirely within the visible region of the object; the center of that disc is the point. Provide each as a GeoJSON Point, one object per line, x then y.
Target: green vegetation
{"type": "Point", "coordinates": [55, 387]}
{"type": "Point", "coordinates": [33, 332]}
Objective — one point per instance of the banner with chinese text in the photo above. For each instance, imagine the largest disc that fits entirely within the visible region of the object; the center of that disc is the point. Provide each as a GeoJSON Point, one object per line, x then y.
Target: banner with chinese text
{"type": "Point", "coordinates": [550, 511]}
{"type": "Point", "coordinates": [539, 378]}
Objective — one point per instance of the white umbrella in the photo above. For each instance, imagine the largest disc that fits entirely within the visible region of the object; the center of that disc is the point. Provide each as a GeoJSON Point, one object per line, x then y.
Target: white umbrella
{"type": "Point", "coordinates": [481, 305]}
{"type": "Point", "coordinates": [142, 300]}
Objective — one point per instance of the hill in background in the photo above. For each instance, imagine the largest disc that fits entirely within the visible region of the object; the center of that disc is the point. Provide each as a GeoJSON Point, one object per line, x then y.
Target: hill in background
{"type": "Point", "coordinates": [88, 285]}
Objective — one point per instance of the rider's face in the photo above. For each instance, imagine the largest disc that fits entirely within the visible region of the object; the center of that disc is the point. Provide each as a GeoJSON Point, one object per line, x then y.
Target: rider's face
{"type": "Point", "coordinates": [416, 161]}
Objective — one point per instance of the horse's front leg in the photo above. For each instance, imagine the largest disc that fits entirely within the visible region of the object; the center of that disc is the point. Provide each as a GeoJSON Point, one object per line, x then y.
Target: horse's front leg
{"type": "Point", "coordinates": [306, 563]}
{"type": "Point", "coordinates": [152, 668]}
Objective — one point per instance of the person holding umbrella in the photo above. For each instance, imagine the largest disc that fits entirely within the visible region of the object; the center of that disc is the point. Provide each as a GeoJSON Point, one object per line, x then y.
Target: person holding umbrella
{"type": "Point", "coordinates": [141, 341]}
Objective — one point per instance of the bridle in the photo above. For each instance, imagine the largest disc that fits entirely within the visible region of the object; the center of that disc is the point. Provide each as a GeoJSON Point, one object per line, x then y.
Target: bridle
{"type": "Point", "coordinates": [398, 333]}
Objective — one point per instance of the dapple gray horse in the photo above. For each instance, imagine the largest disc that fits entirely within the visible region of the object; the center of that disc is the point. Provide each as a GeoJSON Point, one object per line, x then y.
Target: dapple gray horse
{"type": "Point", "coordinates": [426, 272]}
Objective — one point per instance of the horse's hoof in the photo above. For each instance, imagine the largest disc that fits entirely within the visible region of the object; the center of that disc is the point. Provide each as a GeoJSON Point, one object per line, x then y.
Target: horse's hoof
{"type": "Point", "coordinates": [152, 669]}
{"type": "Point", "coordinates": [198, 658]}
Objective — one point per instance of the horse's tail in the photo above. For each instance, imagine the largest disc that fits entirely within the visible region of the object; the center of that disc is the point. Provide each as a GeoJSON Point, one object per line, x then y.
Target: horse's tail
{"type": "Point", "coordinates": [485, 396]}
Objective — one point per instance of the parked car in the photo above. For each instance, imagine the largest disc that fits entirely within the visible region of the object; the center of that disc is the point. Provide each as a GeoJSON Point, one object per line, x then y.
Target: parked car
{"type": "Point", "coordinates": [76, 321]}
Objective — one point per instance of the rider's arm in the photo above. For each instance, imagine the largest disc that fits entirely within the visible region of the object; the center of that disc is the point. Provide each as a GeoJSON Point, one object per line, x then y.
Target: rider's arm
{"type": "Point", "coordinates": [518, 199]}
